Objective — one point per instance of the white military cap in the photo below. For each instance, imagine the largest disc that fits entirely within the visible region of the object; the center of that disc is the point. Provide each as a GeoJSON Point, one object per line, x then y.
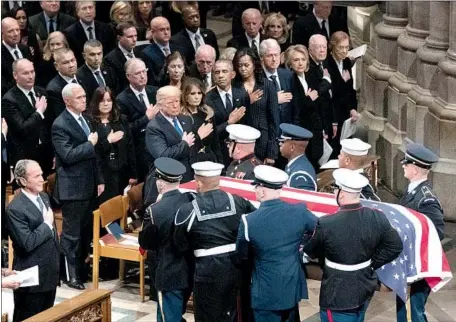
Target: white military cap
{"type": "Point", "coordinates": [243, 133]}
{"type": "Point", "coordinates": [269, 177]}
{"type": "Point", "coordinates": [355, 146]}
{"type": "Point", "coordinates": [349, 180]}
{"type": "Point", "coordinates": [207, 169]}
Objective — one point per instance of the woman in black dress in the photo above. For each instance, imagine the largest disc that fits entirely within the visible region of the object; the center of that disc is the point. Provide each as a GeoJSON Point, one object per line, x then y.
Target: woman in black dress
{"type": "Point", "coordinates": [207, 146]}
{"type": "Point", "coordinates": [263, 112]}
{"type": "Point", "coordinates": [115, 144]}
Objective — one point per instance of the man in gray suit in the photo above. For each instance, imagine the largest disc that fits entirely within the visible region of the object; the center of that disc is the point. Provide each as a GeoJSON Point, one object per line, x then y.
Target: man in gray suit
{"type": "Point", "coordinates": [78, 180]}
{"type": "Point", "coordinates": [31, 226]}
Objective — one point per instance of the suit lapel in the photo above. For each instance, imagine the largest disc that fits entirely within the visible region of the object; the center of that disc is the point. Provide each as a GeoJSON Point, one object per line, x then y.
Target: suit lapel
{"type": "Point", "coordinates": [30, 206]}
{"type": "Point", "coordinates": [75, 124]}
{"type": "Point", "coordinates": [166, 125]}
{"type": "Point", "coordinates": [219, 103]}
{"type": "Point", "coordinates": [43, 26]}
{"type": "Point", "coordinates": [237, 95]}
{"type": "Point", "coordinates": [135, 102]}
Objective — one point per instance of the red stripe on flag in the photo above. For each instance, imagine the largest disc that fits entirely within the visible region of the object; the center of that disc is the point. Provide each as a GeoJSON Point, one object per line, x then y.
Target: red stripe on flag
{"type": "Point", "coordinates": [424, 243]}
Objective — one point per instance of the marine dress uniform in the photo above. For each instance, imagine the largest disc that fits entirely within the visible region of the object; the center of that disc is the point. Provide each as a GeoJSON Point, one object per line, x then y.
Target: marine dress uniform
{"type": "Point", "coordinates": [354, 242]}
{"type": "Point", "coordinates": [208, 226]}
{"type": "Point", "coordinates": [242, 168]}
{"type": "Point", "coordinates": [356, 147]}
{"type": "Point", "coordinates": [172, 277]}
{"type": "Point", "coordinates": [421, 198]}
{"type": "Point", "coordinates": [301, 173]}
{"type": "Point", "coordinates": [274, 233]}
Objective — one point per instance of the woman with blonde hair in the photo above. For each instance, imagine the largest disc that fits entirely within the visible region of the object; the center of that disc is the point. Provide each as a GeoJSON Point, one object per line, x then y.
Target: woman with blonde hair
{"type": "Point", "coordinates": [121, 11]}
{"type": "Point", "coordinates": [45, 67]}
{"type": "Point", "coordinates": [340, 70]}
{"type": "Point", "coordinates": [308, 111]}
{"type": "Point", "coordinates": [206, 147]}
{"type": "Point", "coordinates": [275, 26]}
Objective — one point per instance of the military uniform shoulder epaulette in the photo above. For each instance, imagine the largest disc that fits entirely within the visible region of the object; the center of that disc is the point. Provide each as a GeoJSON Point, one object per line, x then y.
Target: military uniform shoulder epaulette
{"type": "Point", "coordinates": [254, 161]}
{"type": "Point", "coordinates": [428, 196]}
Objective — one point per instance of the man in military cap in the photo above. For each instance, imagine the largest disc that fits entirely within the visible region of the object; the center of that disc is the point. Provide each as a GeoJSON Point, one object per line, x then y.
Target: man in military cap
{"type": "Point", "coordinates": [354, 242]}
{"type": "Point", "coordinates": [275, 231]}
{"type": "Point", "coordinates": [353, 156]}
{"type": "Point", "coordinates": [172, 278]}
{"type": "Point", "coordinates": [241, 148]}
{"type": "Point", "coordinates": [417, 164]}
{"type": "Point", "coordinates": [294, 141]}
{"type": "Point", "coordinates": [208, 226]}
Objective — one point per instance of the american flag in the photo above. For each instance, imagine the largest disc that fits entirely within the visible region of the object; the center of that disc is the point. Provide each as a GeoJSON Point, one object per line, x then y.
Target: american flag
{"type": "Point", "coordinates": [422, 257]}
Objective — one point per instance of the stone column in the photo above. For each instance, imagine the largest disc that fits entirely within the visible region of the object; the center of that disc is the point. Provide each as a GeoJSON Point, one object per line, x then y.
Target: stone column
{"type": "Point", "coordinates": [376, 82]}
{"type": "Point", "coordinates": [440, 123]}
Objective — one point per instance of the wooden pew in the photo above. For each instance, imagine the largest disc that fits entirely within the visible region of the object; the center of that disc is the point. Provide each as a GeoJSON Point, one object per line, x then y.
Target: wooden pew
{"type": "Point", "coordinates": [93, 305]}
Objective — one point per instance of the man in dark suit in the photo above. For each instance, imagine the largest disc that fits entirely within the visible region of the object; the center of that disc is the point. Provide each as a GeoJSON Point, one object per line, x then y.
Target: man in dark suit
{"type": "Point", "coordinates": [25, 109]}
{"type": "Point", "coordinates": [192, 36]}
{"type": "Point", "coordinates": [35, 242]}
{"type": "Point", "coordinates": [320, 21]}
{"type": "Point", "coordinates": [229, 103]}
{"type": "Point", "coordinates": [136, 102]}
{"type": "Point", "coordinates": [252, 37]}
{"type": "Point", "coordinates": [78, 180]}
{"type": "Point", "coordinates": [50, 20]}
{"type": "Point", "coordinates": [169, 134]}
{"type": "Point", "coordinates": [154, 55]}
{"type": "Point", "coordinates": [91, 74]}
{"type": "Point", "coordinates": [202, 67]}
{"type": "Point", "coordinates": [12, 50]}
{"type": "Point", "coordinates": [88, 28]}
{"type": "Point", "coordinates": [126, 49]}
{"type": "Point", "coordinates": [66, 65]}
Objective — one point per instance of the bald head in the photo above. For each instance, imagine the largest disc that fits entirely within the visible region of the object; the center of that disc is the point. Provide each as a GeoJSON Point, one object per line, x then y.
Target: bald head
{"type": "Point", "coordinates": [251, 22]}
{"type": "Point", "coordinates": [161, 30]}
{"type": "Point", "coordinates": [205, 59]}
{"type": "Point", "coordinates": [24, 73]}
{"type": "Point", "coordinates": [11, 33]}
{"type": "Point", "coordinates": [318, 47]}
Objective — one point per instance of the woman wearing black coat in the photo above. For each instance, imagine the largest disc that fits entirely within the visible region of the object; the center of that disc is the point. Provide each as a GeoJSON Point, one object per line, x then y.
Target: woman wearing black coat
{"type": "Point", "coordinates": [115, 144]}
{"type": "Point", "coordinates": [28, 34]}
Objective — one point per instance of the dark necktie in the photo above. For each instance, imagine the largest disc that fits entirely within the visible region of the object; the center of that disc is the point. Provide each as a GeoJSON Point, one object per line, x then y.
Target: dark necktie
{"type": "Point", "coordinates": [228, 103]}
{"type": "Point", "coordinates": [4, 153]}
{"type": "Point", "coordinates": [197, 42]}
{"type": "Point", "coordinates": [84, 126]}
{"type": "Point", "coordinates": [254, 47]}
{"type": "Point", "coordinates": [276, 84]}
{"type": "Point", "coordinates": [166, 51]}
{"type": "Point", "coordinates": [177, 127]}
{"type": "Point", "coordinates": [16, 53]}
{"type": "Point", "coordinates": [130, 55]}
{"type": "Point", "coordinates": [324, 30]}
{"type": "Point", "coordinates": [99, 78]}
{"type": "Point", "coordinates": [51, 25]}
{"type": "Point", "coordinates": [32, 98]}
{"type": "Point", "coordinates": [40, 204]}
{"type": "Point", "coordinates": [90, 33]}
{"type": "Point", "coordinates": [206, 81]}
{"type": "Point", "coordinates": [141, 99]}
{"type": "Point", "coordinates": [74, 81]}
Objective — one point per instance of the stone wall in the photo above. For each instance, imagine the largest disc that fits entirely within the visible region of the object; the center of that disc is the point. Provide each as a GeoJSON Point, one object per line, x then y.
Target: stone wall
{"type": "Point", "coordinates": [407, 82]}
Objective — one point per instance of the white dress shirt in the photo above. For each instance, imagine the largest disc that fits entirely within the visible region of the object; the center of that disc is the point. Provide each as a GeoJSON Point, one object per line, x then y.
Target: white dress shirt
{"type": "Point", "coordinates": [412, 185]}
{"type": "Point", "coordinates": [68, 79]}
{"type": "Point", "coordinates": [268, 76]}
{"type": "Point", "coordinates": [33, 198]}
{"type": "Point", "coordinates": [193, 35]}
{"type": "Point", "coordinates": [146, 99]}
{"type": "Point", "coordinates": [161, 48]}
{"type": "Point", "coordinates": [302, 79]}
{"type": "Point", "coordinates": [12, 49]}
{"type": "Point", "coordinates": [222, 94]}
{"type": "Point", "coordinates": [126, 53]}
{"type": "Point", "coordinates": [326, 23]}
{"type": "Point", "coordinates": [85, 26]}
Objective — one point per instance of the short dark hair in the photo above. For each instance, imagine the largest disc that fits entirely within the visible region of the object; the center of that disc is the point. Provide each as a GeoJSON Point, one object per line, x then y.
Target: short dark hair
{"type": "Point", "coordinates": [121, 27]}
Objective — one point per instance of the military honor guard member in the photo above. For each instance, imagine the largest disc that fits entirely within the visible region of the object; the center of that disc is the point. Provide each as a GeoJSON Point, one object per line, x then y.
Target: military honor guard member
{"type": "Point", "coordinates": [274, 233]}
{"type": "Point", "coordinates": [352, 156]}
{"type": "Point", "coordinates": [294, 141]}
{"type": "Point", "coordinates": [241, 148]}
{"type": "Point", "coordinates": [172, 277]}
{"type": "Point", "coordinates": [208, 226]}
{"type": "Point", "coordinates": [420, 197]}
{"type": "Point", "coordinates": [354, 242]}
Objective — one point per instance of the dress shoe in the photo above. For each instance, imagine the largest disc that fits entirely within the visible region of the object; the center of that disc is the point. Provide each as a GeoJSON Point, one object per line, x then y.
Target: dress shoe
{"type": "Point", "coordinates": [76, 284]}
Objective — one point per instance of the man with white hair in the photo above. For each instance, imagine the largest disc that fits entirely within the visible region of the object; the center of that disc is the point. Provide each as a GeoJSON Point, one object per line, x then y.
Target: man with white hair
{"type": "Point", "coordinates": [170, 134]}
{"type": "Point", "coordinates": [203, 65]}
{"type": "Point", "coordinates": [251, 22]}
{"type": "Point", "coordinates": [319, 21]}
{"type": "Point", "coordinates": [78, 180]}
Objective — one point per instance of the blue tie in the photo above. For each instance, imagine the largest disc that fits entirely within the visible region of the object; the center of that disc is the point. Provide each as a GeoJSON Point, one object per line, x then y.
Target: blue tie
{"type": "Point", "coordinates": [177, 127]}
{"type": "Point", "coordinates": [84, 126]}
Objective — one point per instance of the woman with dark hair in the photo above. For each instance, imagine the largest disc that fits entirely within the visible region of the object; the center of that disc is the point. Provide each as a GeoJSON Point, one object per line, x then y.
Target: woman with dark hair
{"type": "Point", "coordinates": [207, 148]}
{"type": "Point", "coordinates": [263, 113]}
{"type": "Point", "coordinates": [143, 12]}
{"type": "Point", "coordinates": [174, 71]}
{"type": "Point", "coordinates": [115, 144]}
{"type": "Point", "coordinates": [29, 36]}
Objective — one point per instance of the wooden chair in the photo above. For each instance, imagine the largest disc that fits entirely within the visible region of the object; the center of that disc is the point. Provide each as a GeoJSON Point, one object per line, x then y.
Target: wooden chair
{"type": "Point", "coordinates": [109, 211]}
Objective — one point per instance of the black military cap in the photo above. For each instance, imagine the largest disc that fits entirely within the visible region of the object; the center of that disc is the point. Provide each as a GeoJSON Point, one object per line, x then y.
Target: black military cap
{"type": "Point", "coordinates": [169, 169]}
{"type": "Point", "coordinates": [294, 132]}
{"type": "Point", "coordinates": [269, 177]}
{"type": "Point", "coordinates": [420, 156]}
